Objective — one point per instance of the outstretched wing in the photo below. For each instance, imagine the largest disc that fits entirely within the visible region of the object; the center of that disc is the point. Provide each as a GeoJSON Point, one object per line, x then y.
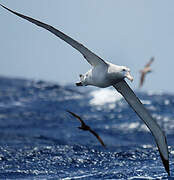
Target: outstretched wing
{"type": "Point", "coordinates": [150, 62]}
{"type": "Point", "coordinates": [98, 137]}
{"type": "Point", "coordinates": [142, 79]}
{"type": "Point", "coordinates": [92, 58]}
{"type": "Point", "coordinates": [138, 107]}
{"type": "Point", "coordinates": [78, 117]}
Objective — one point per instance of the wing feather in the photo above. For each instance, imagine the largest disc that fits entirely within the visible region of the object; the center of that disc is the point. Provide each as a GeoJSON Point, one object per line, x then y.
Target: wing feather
{"type": "Point", "coordinates": [142, 79]}
{"type": "Point", "coordinates": [150, 62]}
{"type": "Point", "coordinates": [92, 58]}
{"type": "Point", "coordinates": [98, 137]}
{"type": "Point", "coordinates": [78, 117]}
{"type": "Point", "coordinates": [138, 107]}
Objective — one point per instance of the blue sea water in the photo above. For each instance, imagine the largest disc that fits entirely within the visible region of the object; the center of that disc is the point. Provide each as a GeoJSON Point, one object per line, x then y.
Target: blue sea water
{"type": "Point", "coordinates": [40, 140]}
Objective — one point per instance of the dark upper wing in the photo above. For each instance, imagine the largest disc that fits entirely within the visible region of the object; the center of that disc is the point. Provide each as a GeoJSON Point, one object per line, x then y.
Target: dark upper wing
{"type": "Point", "coordinates": [150, 62]}
{"type": "Point", "coordinates": [92, 58]}
{"type": "Point", "coordinates": [142, 79]}
{"type": "Point", "coordinates": [138, 107]}
{"type": "Point", "coordinates": [97, 136]}
{"type": "Point", "coordinates": [78, 117]}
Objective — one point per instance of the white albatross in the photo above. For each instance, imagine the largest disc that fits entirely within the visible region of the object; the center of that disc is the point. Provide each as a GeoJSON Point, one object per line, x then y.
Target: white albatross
{"type": "Point", "coordinates": [104, 74]}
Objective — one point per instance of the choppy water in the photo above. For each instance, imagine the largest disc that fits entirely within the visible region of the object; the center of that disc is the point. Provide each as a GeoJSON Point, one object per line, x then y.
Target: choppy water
{"type": "Point", "coordinates": [40, 140]}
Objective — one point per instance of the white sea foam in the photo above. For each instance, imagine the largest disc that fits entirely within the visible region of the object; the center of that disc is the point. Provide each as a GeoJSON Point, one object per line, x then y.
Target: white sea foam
{"type": "Point", "coordinates": [103, 96]}
{"type": "Point", "coordinates": [146, 102]}
{"type": "Point", "coordinates": [132, 126]}
{"type": "Point", "coordinates": [141, 177]}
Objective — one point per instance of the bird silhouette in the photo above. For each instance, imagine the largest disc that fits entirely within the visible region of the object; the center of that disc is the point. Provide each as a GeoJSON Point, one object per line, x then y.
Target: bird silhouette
{"type": "Point", "coordinates": [85, 127]}
{"type": "Point", "coordinates": [144, 71]}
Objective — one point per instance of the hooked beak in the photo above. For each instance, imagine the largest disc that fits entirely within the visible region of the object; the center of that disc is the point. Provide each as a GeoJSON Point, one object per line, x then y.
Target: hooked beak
{"type": "Point", "coordinates": [128, 76]}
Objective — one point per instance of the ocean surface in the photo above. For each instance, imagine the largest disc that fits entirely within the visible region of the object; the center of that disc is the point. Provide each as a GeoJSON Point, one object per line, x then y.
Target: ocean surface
{"type": "Point", "coordinates": [40, 140]}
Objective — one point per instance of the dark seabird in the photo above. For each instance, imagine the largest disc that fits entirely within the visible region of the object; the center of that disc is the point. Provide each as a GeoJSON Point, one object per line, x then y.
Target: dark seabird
{"type": "Point", "coordinates": [144, 71]}
{"type": "Point", "coordinates": [87, 128]}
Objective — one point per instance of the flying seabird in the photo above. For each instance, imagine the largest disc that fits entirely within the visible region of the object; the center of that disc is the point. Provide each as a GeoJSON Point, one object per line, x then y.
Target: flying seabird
{"type": "Point", "coordinates": [87, 128]}
{"type": "Point", "coordinates": [104, 74]}
{"type": "Point", "coordinates": [144, 71]}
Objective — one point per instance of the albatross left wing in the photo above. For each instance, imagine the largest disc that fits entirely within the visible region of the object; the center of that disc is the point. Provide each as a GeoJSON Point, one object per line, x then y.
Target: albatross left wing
{"type": "Point", "coordinates": [92, 58]}
{"type": "Point", "coordinates": [123, 88]}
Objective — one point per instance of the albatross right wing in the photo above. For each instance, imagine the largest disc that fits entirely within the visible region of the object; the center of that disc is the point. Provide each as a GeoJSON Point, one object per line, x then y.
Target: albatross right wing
{"type": "Point", "coordinates": [92, 58]}
{"type": "Point", "coordinates": [123, 88]}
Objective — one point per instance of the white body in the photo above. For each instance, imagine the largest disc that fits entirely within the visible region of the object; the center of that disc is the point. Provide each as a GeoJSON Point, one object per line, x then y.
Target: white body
{"type": "Point", "coordinates": [104, 75]}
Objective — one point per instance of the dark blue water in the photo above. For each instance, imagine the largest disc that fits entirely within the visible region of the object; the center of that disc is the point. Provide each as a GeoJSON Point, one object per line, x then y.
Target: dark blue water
{"type": "Point", "coordinates": [40, 140]}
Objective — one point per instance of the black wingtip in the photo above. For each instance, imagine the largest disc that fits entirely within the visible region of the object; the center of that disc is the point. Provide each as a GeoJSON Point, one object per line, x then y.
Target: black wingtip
{"type": "Point", "coordinates": [165, 161]}
{"type": "Point", "coordinates": [68, 111]}
{"type": "Point", "coordinates": [73, 114]}
{"type": "Point", "coordinates": [166, 164]}
{"type": "Point", "coordinates": [5, 8]}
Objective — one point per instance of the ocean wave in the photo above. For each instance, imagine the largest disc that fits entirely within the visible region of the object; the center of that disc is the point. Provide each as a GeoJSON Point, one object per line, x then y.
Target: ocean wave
{"type": "Point", "coordinates": [40, 140]}
{"type": "Point", "coordinates": [104, 96]}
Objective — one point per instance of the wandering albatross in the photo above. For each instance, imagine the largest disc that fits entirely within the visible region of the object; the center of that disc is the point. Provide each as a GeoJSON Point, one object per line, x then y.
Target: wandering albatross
{"type": "Point", "coordinates": [104, 74]}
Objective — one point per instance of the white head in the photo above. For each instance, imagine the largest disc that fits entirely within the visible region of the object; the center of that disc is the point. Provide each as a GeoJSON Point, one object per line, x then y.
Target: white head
{"type": "Point", "coordinates": [125, 72]}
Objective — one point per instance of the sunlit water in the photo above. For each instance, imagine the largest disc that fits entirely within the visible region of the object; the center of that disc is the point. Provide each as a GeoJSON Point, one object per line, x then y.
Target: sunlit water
{"type": "Point", "coordinates": [40, 140]}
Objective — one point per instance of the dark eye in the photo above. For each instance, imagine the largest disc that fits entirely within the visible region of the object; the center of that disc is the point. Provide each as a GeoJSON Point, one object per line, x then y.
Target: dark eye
{"type": "Point", "coordinates": [124, 70]}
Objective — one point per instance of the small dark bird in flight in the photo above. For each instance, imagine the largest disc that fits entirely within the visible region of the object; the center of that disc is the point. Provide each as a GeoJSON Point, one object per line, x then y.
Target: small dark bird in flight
{"type": "Point", "coordinates": [87, 128]}
{"type": "Point", "coordinates": [144, 71]}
